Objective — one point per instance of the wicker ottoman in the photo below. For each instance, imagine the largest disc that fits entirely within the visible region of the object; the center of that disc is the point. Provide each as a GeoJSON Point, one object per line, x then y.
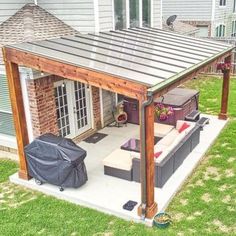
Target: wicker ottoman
{"type": "Point", "coordinates": [119, 164]}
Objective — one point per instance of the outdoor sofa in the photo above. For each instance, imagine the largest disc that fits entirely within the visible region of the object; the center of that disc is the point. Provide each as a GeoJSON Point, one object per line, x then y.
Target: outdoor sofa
{"type": "Point", "coordinates": [175, 147]}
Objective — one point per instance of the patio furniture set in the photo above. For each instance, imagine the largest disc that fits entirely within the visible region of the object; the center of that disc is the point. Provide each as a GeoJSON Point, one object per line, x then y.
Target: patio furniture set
{"type": "Point", "coordinates": [171, 144]}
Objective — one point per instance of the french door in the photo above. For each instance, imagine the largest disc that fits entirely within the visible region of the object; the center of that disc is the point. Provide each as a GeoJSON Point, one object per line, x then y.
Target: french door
{"type": "Point", "coordinates": [73, 108]}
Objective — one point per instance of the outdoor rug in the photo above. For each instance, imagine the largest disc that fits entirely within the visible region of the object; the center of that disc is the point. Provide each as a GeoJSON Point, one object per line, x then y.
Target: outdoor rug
{"type": "Point", "coordinates": [95, 138]}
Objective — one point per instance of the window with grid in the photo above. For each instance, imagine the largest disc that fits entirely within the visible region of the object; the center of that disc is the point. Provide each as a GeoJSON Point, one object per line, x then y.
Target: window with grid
{"type": "Point", "coordinates": [6, 117]}
{"type": "Point", "coordinates": [62, 110]}
{"type": "Point", "coordinates": [222, 2]}
{"type": "Point", "coordinates": [146, 13]}
{"type": "Point", "coordinates": [81, 104]}
{"type": "Point", "coordinates": [220, 31]}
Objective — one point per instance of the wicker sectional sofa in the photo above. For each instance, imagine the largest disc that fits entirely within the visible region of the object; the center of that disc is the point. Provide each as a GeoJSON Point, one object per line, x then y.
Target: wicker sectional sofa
{"type": "Point", "coordinates": [175, 148]}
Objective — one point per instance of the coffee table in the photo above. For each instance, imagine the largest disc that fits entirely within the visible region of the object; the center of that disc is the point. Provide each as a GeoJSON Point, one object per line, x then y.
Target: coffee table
{"type": "Point", "coordinates": [133, 144]}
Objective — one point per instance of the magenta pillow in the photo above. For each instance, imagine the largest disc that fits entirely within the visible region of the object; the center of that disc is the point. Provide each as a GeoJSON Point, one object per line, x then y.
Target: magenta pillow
{"type": "Point", "coordinates": [157, 154]}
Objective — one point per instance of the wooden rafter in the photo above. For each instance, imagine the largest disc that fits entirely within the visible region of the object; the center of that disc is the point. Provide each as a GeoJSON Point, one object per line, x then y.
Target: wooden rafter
{"type": "Point", "coordinates": [97, 79]}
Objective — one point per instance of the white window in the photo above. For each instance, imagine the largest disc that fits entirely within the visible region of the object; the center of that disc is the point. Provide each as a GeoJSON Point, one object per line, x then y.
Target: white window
{"type": "Point", "coordinates": [6, 117]}
{"type": "Point", "coordinates": [222, 2]}
{"type": "Point", "coordinates": [132, 13]}
{"type": "Point", "coordinates": [234, 7]}
{"type": "Point", "coordinates": [147, 12]}
{"type": "Point", "coordinates": [120, 14]}
{"type": "Point", "coordinates": [220, 31]}
{"type": "Point", "coordinates": [233, 32]}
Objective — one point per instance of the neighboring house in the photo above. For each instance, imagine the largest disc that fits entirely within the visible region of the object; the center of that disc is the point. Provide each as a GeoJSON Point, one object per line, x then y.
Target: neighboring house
{"type": "Point", "coordinates": [216, 18]}
{"type": "Point", "coordinates": [181, 28]}
{"type": "Point", "coordinates": [51, 19]}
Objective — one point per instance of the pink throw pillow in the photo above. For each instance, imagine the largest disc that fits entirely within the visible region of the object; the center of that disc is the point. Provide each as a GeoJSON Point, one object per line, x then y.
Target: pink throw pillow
{"type": "Point", "coordinates": [183, 127]}
{"type": "Point", "coordinates": [157, 154]}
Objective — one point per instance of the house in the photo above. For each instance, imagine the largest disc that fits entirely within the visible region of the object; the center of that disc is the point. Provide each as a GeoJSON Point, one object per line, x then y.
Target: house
{"type": "Point", "coordinates": [20, 22]}
{"type": "Point", "coordinates": [213, 18]}
{"type": "Point", "coordinates": [181, 28]}
{"type": "Point", "coordinates": [68, 85]}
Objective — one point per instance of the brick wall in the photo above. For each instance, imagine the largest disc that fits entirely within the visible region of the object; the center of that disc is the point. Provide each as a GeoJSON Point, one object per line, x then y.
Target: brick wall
{"type": "Point", "coordinates": [43, 108]}
{"type": "Point", "coordinates": [200, 23]}
{"type": "Point", "coordinates": [42, 105]}
{"type": "Point", "coordinates": [96, 108]}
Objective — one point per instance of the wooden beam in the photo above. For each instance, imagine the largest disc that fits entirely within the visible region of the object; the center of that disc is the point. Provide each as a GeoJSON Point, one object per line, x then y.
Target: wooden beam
{"type": "Point", "coordinates": [148, 187]}
{"type": "Point", "coordinates": [225, 91]}
{"type": "Point", "coordinates": [18, 111]}
{"type": "Point", "coordinates": [97, 79]}
{"type": "Point", "coordinates": [190, 75]}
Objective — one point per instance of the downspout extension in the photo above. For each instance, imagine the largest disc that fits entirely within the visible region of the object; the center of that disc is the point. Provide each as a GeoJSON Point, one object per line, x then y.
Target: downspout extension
{"type": "Point", "coordinates": [143, 156]}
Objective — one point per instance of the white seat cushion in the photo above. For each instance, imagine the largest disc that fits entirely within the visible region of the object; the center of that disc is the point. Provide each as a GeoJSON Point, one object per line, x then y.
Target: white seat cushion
{"type": "Point", "coordinates": [119, 159]}
{"type": "Point", "coordinates": [169, 138]}
{"type": "Point", "coordinates": [161, 130]}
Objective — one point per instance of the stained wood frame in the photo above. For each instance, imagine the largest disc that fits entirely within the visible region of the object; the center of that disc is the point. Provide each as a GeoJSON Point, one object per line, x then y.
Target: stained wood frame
{"type": "Point", "coordinates": [14, 57]}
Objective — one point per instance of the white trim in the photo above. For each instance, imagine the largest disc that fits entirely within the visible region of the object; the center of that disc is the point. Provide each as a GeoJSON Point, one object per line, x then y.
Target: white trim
{"type": "Point", "coordinates": [23, 78]}
{"type": "Point", "coordinates": [96, 16]}
{"type": "Point", "coordinates": [140, 4]}
{"type": "Point", "coordinates": [127, 13]}
{"type": "Point", "coordinates": [161, 13]}
{"type": "Point", "coordinates": [91, 107]}
{"type": "Point", "coordinates": [101, 106]}
{"type": "Point", "coordinates": [213, 17]}
{"type": "Point", "coordinates": [8, 141]}
{"type": "Point", "coordinates": [113, 15]}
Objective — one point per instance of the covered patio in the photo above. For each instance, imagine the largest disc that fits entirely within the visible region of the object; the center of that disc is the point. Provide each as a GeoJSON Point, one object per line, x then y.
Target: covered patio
{"type": "Point", "coordinates": [142, 63]}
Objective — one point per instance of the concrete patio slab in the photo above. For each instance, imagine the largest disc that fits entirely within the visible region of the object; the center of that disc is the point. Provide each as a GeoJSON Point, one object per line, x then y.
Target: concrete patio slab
{"type": "Point", "coordinates": [108, 194]}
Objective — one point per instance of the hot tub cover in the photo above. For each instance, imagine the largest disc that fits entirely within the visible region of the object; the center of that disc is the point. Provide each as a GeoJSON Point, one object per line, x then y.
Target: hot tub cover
{"type": "Point", "coordinates": [56, 160]}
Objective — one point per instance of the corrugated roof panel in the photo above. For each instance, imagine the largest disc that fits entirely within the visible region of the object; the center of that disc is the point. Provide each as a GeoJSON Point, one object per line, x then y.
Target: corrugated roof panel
{"type": "Point", "coordinates": [144, 55]}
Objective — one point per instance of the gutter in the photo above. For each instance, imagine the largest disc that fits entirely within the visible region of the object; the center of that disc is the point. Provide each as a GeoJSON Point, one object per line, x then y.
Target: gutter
{"type": "Point", "coordinates": [143, 174]}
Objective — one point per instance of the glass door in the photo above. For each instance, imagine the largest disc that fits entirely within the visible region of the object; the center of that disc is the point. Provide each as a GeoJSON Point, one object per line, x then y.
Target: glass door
{"type": "Point", "coordinates": [81, 107]}
{"type": "Point", "coordinates": [73, 108]}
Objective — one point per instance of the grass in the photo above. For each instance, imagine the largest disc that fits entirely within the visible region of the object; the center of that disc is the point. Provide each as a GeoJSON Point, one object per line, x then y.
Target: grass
{"type": "Point", "coordinates": [206, 205]}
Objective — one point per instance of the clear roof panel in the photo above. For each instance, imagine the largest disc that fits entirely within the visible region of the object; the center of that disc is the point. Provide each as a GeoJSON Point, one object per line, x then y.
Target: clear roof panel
{"type": "Point", "coordinates": [144, 55]}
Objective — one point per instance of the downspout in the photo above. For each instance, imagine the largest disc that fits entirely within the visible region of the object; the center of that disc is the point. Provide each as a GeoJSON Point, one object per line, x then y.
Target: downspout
{"type": "Point", "coordinates": [143, 155]}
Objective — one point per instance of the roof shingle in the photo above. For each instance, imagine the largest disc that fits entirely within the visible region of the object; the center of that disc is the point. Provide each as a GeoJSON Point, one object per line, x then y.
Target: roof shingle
{"type": "Point", "coordinates": [32, 23]}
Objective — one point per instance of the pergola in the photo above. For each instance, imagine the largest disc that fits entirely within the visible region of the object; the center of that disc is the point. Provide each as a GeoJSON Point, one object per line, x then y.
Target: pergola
{"type": "Point", "coordinates": [142, 63]}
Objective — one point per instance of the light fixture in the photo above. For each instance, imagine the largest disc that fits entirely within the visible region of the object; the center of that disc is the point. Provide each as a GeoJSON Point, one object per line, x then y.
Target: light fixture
{"type": "Point", "coordinates": [42, 73]}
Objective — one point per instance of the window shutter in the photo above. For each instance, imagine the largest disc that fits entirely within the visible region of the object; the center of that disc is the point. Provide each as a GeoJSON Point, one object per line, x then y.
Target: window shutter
{"type": "Point", "coordinates": [6, 118]}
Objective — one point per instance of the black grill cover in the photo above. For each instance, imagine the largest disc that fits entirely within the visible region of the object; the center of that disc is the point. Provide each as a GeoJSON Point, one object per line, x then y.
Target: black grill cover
{"type": "Point", "coordinates": [56, 160]}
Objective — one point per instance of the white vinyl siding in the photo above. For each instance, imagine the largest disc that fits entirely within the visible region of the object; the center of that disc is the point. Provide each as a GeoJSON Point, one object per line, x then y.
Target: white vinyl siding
{"type": "Point", "coordinates": [10, 7]}
{"type": "Point", "coordinates": [6, 118]}
{"type": "Point", "coordinates": [157, 14]}
{"type": "Point", "coordinates": [200, 10]}
{"type": "Point", "coordinates": [108, 104]}
{"type": "Point", "coordinates": [78, 14]}
{"type": "Point", "coordinates": [224, 16]}
{"type": "Point", "coordinates": [105, 15]}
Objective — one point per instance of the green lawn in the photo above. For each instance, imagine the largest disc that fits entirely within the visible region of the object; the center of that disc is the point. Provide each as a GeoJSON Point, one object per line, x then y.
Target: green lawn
{"type": "Point", "coordinates": [206, 205]}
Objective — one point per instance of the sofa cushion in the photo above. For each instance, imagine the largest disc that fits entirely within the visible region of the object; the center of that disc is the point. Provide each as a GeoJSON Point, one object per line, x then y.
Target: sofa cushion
{"type": "Point", "coordinates": [169, 138]}
{"type": "Point", "coordinates": [161, 130]}
{"type": "Point", "coordinates": [119, 159]}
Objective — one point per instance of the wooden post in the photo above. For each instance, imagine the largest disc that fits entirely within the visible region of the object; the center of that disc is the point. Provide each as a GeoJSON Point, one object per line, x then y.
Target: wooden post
{"type": "Point", "coordinates": [151, 205]}
{"type": "Point", "coordinates": [18, 115]}
{"type": "Point", "coordinates": [225, 92]}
